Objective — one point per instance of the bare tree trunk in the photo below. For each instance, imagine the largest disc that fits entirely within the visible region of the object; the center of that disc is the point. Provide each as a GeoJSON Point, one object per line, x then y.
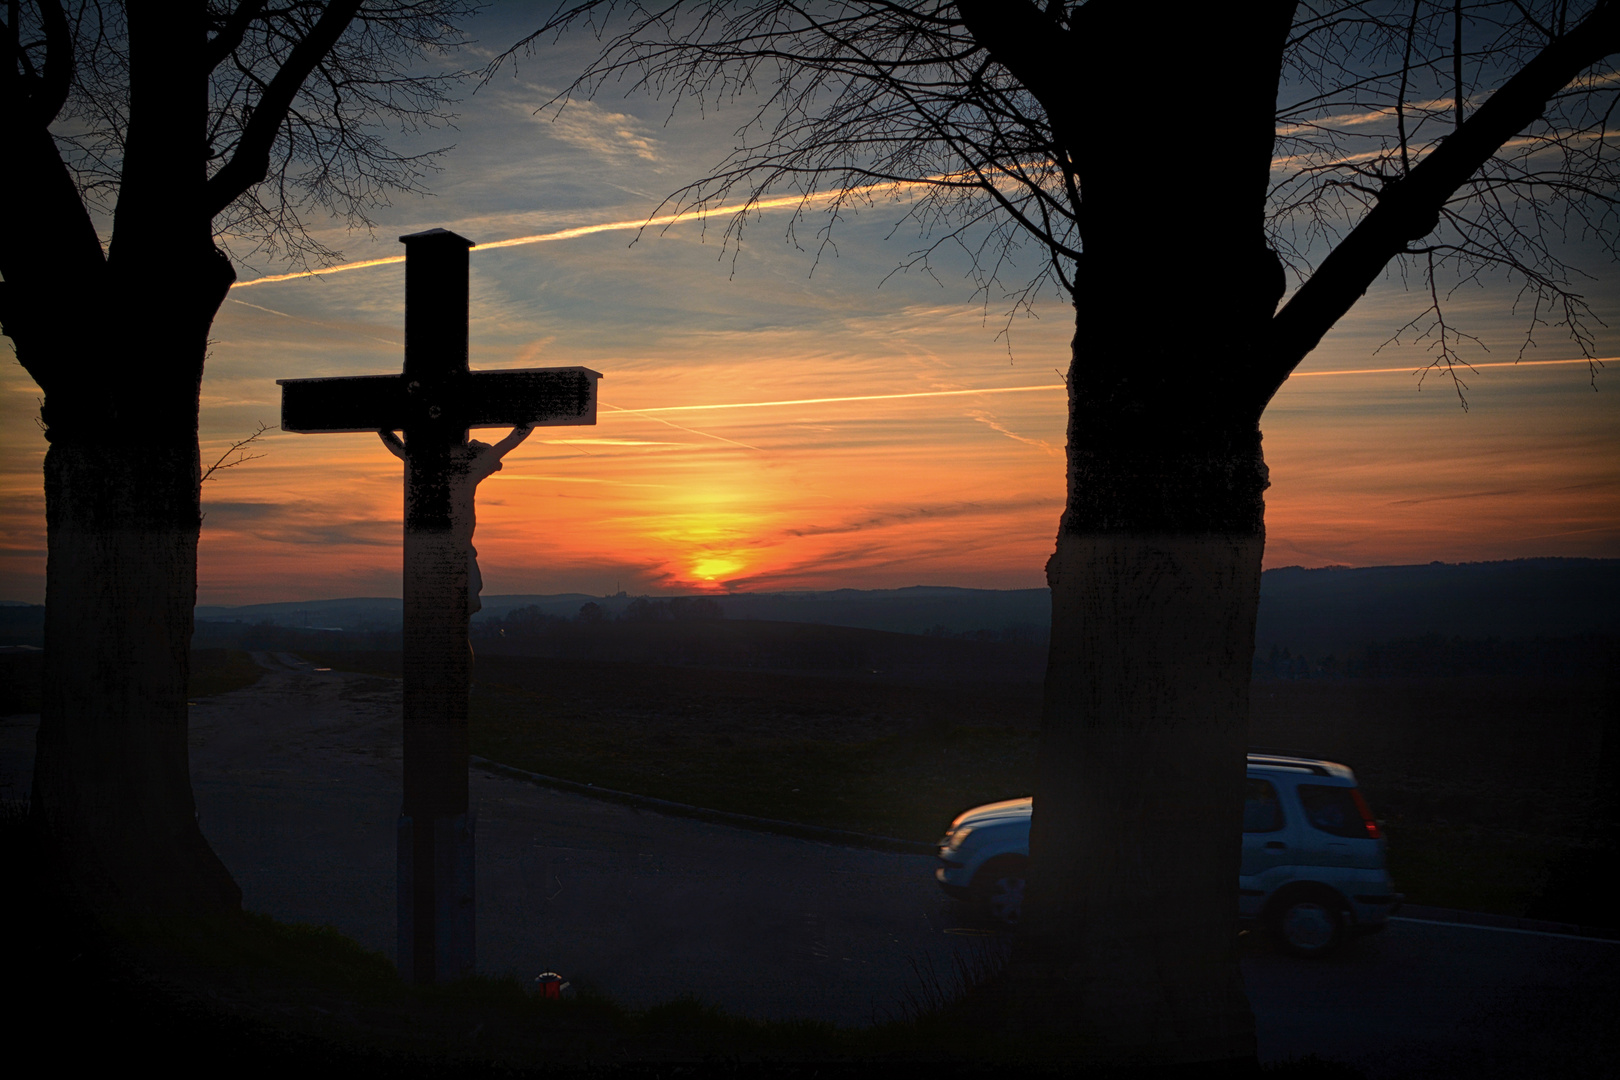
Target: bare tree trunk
{"type": "Point", "coordinates": [1128, 950]}
{"type": "Point", "coordinates": [112, 779]}
{"type": "Point", "coordinates": [112, 783]}
{"type": "Point", "coordinates": [1129, 947]}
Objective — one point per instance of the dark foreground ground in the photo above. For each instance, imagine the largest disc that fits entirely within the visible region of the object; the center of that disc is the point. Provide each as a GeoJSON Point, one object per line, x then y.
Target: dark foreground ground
{"type": "Point", "coordinates": [297, 779]}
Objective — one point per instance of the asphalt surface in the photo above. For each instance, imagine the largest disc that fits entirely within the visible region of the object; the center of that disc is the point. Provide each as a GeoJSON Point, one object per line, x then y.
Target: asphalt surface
{"type": "Point", "coordinates": [298, 780]}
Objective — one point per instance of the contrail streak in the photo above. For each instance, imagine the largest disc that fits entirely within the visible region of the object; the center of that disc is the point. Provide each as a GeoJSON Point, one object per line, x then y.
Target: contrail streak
{"type": "Point", "coordinates": [1414, 371]}
{"type": "Point", "coordinates": [313, 322]}
{"type": "Point", "coordinates": [316, 273]}
{"type": "Point", "coordinates": [682, 427]}
{"type": "Point", "coordinates": [1061, 386]}
{"type": "Point", "coordinates": [859, 397]}
{"type": "Point", "coordinates": [586, 230]}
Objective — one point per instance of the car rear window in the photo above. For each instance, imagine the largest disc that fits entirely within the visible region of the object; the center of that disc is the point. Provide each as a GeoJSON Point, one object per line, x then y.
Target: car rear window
{"type": "Point", "coordinates": [1333, 810]}
{"type": "Point", "coordinates": [1262, 812]}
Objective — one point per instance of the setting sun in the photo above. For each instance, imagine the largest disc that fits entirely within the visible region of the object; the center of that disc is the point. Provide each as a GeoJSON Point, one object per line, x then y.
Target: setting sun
{"type": "Point", "coordinates": [709, 567]}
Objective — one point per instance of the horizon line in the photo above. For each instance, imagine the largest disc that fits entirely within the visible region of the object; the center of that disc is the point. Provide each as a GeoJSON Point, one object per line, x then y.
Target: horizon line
{"type": "Point", "coordinates": [899, 588]}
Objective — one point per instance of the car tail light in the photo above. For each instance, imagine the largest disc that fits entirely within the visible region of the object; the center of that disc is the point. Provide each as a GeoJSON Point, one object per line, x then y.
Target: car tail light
{"type": "Point", "coordinates": [1366, 814]}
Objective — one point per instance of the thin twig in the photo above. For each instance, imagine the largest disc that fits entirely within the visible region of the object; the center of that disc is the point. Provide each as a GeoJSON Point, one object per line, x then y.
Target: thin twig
{"type": "Point", "coordinates": [237, 448]}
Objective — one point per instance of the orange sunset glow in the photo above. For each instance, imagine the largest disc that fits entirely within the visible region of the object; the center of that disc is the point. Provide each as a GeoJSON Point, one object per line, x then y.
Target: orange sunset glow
{"type": "Point", "coordinates": [778, 417]}
{"type": "Point", "coordinates": [841, 457]}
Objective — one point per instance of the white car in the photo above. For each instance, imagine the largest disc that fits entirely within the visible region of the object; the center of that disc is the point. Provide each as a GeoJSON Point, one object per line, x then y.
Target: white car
{"type": "Point", "coordinates": [1313, 856]}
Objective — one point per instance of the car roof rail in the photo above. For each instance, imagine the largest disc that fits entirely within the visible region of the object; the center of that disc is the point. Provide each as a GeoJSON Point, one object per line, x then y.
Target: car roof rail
{"type": "Point", "coordinates": [1288, 761]}
{"type": "Point", "coordinates": [1282, 751]}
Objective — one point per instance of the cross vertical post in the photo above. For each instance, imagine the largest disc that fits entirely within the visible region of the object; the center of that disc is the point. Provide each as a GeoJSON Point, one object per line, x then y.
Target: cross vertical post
{"type": "Point", "coordinates": [436, 854]}
{"type": "Point", "coordinates": [434, 402]}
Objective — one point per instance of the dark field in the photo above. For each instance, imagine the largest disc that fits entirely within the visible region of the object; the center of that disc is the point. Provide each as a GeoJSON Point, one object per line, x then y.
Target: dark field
{"type": "Point", "coordinates": [1488, 787]}
{"type": "Point", "coordinates": [213, 671]}
{"type": "Point", "coordinates": [866, 754]}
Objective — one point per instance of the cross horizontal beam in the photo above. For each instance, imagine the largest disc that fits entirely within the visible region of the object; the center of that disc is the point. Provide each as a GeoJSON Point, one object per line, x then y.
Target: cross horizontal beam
{"type": "Point", "coordinates": [537, 397]}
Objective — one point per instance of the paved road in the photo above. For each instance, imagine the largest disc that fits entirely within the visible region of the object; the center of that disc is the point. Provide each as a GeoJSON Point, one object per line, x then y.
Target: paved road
{"type": "Point", "coordinates": [298, 780]}
{"type": "Point", "coordinates": [1435, 1000]}
{"type": "Point", "coordinates": [298, 786]}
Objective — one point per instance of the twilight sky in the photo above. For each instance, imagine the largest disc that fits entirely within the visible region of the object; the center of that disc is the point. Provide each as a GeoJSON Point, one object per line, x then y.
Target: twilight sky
{"type": "Point", "coordinates": [801, 488]}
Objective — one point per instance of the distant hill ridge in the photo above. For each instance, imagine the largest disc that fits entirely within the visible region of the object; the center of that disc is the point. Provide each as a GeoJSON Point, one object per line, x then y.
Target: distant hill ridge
{"type": "Point", "coordinates": [1315, 611]}
{"type": "Point", "coordinates": [1334, 609]}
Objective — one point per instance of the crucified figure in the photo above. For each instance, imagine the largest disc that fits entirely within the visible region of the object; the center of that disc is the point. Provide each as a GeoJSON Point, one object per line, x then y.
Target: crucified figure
{"type": "Point", "coordinates": [469, 465]}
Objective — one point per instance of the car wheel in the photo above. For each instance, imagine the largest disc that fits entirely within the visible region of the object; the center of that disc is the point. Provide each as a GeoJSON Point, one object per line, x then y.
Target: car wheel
{"type": "Point", "coordinates": [999, 888]}
{"type": "Point", "coordinates": [1308, 926]}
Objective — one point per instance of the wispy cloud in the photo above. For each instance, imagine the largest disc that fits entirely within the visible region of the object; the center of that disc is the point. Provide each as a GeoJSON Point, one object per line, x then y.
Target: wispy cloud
{"type": "Point", "coordinates": [608, 442]}
{"type": "Point", "coordinates": [680, 427]}
{"type": "Point", "coordinates": [322, 323]}
{"type": "Point", "coordinates": [613, 136]}
{"type": "Point", "coordinates": [984, 418]}
{"type": "Point", "coordinates": [298, 523]}
{"type": "Point", "coordinates": [573, 479]}
{"type": "Point", "coordinates": [1505, 493]}
{"type": "Point", "coordinates": [938, 512]}
{"type": "Point", "coordinates": [1570, 532]}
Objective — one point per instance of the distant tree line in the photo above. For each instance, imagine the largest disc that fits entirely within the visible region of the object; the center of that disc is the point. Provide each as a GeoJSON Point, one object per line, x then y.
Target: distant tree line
{"type": "Point", "coordinates": [1432, 655]}
{"type": "Point", "coordinates": [22, 624]}
{"type": "Point", "coordinates": [532, 617]}
{"type": "Point", "coordinates": [266, 636]}
{"type": "Point", "coordinates": [1014, 633]}
{"type": "Point", "coordinates": [692, 632]}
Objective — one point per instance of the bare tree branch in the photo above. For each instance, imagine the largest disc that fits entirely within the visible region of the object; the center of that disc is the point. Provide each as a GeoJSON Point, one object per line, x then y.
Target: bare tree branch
{"type": "Point", "coordinates": [1410, 207]}
{"type": "Point", "coordinates": [35, 92]}
{"type": "Point", "coordinates": [228, 38]}
{"type": "Point", "coordinates": [56, 74]}
{"type": "Point", "coordinates": [968, 111]}
{"type": "Point", "coordinates": [251, 162]}
{"type": "Point", "coordinates": [277, 150]}
{"type": "Point", "coordinates": [239, 448]}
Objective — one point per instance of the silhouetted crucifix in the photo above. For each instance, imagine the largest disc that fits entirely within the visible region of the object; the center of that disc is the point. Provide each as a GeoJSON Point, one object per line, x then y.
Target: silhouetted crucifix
{"type": "Point", "coordinates": [434, 402]}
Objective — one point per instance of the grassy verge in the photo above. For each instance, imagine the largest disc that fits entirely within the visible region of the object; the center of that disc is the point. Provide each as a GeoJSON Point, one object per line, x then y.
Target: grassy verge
{"type": "Point", "coordinates": [1489, 787]}
{"type": "Point", "coordinates": [213, 671]}
{"type": "Point", "coordinates": [259, 997]}
{"type": "Point", "coordinates": [893, 785]}
{"type": "Point", "coordinates": [269, 996]}
{"type": "Point", "coordinates": [219, 671]}
{"type": "Point", "coordinates": [1447, 867]}
{"type": "Point", "coordinates": [883, 758]}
